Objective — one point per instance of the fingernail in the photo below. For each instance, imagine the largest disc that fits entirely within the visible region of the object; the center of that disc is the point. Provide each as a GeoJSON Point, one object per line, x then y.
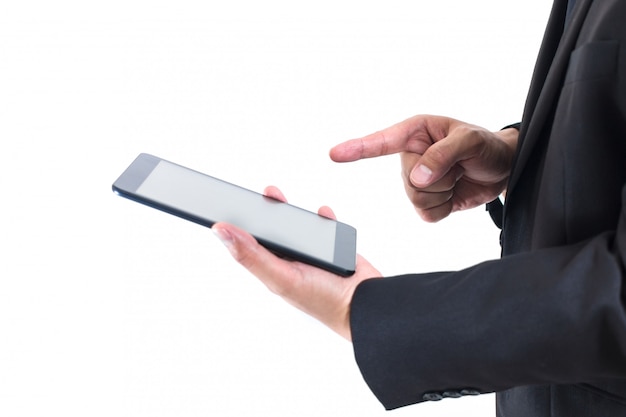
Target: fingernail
{"type": "Point", "coordinates": [226, 238]}
{"type": "Point", "coordinates": [421, 174]}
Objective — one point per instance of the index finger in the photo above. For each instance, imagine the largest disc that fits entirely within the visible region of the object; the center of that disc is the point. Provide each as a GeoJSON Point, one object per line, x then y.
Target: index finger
{"type": "Point", "coordinates": [401, 137]}
{"type": "Point", "coordinates": [371, 146]}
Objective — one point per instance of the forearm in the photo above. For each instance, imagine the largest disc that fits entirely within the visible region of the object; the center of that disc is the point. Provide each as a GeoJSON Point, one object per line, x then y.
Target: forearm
{"type": "Point", "coordinates": [521, 320]}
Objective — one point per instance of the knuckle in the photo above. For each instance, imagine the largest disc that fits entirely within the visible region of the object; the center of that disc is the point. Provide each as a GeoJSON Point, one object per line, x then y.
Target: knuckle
{"type": "Point", "coordinates": [248, 254]}
{"type": "Point", "coordinates": [468, 131]}
{"type": "Point", "coordinates": [436, 214]}
{"type": "Point", "coordinates": [429, 200]}
{"type": "Point", "coordinates": [428, 216]}
{"type": "Point", "coordinates": [419, 200]}
{"type": "Point", "coordinates": [384, 145]}
{"type": "Point", "coordinates": [245, 257]}
{"type": "Point", "coordinates": [471, 136]}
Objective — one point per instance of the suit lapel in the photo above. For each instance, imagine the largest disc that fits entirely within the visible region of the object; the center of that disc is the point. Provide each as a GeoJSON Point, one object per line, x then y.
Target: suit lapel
{"type": "Point", "coordinates": [545, 89]}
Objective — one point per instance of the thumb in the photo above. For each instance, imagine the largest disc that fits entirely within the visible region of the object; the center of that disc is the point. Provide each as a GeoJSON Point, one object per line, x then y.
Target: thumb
{"type": "Point", "coordinates": [243, 247]}
{"type": "Point", "coordinates": [438, 160]}
{"type": "Point", "coordinates": [421, 176]}
{"type": "Point", "coordinates": [274, 272]}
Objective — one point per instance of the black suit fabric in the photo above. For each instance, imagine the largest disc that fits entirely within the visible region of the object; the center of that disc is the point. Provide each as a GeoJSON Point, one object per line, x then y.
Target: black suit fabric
{"type": "Point", "coordinates": [545, 325]}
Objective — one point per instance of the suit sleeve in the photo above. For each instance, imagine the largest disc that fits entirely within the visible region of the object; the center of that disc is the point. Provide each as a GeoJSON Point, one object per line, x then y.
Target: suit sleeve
{"type": "Point", "coordinates": [550, 316]}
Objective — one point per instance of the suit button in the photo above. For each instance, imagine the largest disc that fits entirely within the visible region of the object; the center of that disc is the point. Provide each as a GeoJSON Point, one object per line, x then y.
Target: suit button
{"type": "Point", "coordinates": [432, 396]}
{"type": "Point", "coordinates": [470, 392]}
{"type": "Point", "coordinates": [452, 394]}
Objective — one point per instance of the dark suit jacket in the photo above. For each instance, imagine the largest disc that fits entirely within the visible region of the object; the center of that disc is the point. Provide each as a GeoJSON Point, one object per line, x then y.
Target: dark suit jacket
{"type": "Point", "coordinates": [545, 326]}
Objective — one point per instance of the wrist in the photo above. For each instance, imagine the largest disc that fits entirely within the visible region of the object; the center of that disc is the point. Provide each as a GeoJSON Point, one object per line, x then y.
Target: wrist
{"type": "Point", "coordinates": [509, 136]}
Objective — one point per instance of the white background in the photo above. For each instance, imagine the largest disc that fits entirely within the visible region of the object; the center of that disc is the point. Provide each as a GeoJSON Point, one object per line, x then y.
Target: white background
{"type": "Point", "coordinates": [108, 308]}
